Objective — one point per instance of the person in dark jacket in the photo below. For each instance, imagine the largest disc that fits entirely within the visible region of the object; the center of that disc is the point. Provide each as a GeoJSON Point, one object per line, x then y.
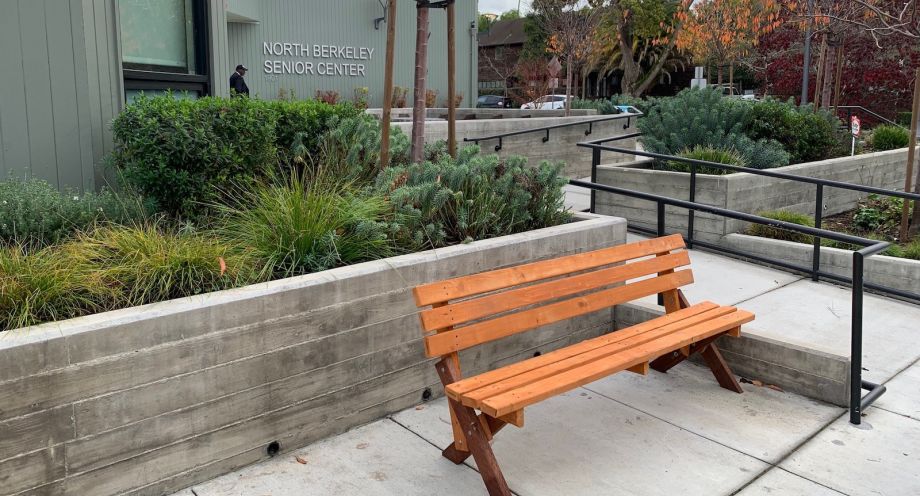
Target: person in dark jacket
{"type": "Point", "coordinates": [237, 83]}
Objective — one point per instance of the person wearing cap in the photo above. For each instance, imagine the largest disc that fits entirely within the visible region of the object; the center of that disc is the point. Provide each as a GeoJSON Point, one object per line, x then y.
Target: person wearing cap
{"type": "Point", "coordinates": [237, 83]}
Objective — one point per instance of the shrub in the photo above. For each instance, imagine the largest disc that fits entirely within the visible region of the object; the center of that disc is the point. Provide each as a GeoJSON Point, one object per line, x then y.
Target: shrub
{"type": "Point", "coordinates": [361, 96]}
{"type": "Point", "coordinates": [889, 137]}
{"type": "Point", "coordinates": [912, 250]}
{"type": "Point", "coordinates": [708, 154]}
{"type": "Point", "coordinates": [431, 98]}
{"type": "Point", "coordinates": [153, 262]}
{"type": "Point", "coordinates": [765, 231]}
{"type": "Point", "coordinates": [472, 197]}
{"type": "Point", "coordinates": [399, 96]}
{"type": "Point", "coordinates": [183, 153]}
{"type": "Point", "coordinates": [34, 213]}
{"type": "Point", "coordinates": [903, 118]}
{"type": "Point", "coordinates": [330, 97]}
{"type": "Point", "coordinates": [703, 118]}
{"type": "Point", "coordinates": [42, 286]}
{"type": "Point", "coordinates": [350, 150]}
{"type": "Point", "coordinates": [807, 135]}
{"type": "Point", "coordinates": [302, 225]}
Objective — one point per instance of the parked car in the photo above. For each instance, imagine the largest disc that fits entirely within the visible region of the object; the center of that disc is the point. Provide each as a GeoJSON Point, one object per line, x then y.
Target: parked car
{"type": "Point", "coordinates": [548, 102]}
{"type": "Point", "coordinates": [493, 101]}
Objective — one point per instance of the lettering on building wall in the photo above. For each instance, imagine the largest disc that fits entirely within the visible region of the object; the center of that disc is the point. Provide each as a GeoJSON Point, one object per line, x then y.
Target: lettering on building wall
{"type": "Point", "coordinates": [316, 60]}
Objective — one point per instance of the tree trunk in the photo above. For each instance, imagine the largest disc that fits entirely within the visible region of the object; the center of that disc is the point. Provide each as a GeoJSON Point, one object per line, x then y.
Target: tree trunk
{"type": "Point", "coordinates": [828, 79]}
{"type": "Point", "coordinates": [568, 85]}
{"type": "Point", "coordinates": [911, 155]}
{"type": "Point", "coordinates": [388, 87]}
{"type": "Point", "coordinates": [421, 72]}
{"type": "Point", "coordinates": [720, 74]}
{"type": "Point", "coordinates": [731, 79]}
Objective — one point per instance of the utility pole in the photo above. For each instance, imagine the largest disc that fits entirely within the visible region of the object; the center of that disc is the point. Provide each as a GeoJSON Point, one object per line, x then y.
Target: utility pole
{"type": "Point", "coordinates": [807, 60]}
{"type": "Point", "coordinates": [388, 86]}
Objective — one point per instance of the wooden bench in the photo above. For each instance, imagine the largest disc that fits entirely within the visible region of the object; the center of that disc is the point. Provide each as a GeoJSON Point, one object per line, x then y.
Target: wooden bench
{"type": "Point", "coordinates": [472, 310]}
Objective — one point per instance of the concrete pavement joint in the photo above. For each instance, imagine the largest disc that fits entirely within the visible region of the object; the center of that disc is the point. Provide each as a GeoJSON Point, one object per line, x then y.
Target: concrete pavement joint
{"type": "Point", "coordinates": [439, 449]}
{"type": "Point", "coordinates": [770, 465]}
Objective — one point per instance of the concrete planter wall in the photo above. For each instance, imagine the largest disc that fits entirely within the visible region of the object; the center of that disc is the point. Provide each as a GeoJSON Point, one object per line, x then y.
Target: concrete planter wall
{"type": "Point", "coordinates": [149, 400]}
{"type": "Point", "coordinates": [745, 192]}
{"type": "Point", "coordinates": [897, 273]}
{"type": "Point", "coordinates": [562, 143]}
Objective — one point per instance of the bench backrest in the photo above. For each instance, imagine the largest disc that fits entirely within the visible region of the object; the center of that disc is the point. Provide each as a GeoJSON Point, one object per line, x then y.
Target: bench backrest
{"type": "Point", "coordinates": [476, 309]}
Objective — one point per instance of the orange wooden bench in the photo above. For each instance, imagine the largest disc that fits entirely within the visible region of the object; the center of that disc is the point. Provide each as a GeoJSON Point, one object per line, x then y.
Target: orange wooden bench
{"type": "Point", "coordinates": [472, 310]}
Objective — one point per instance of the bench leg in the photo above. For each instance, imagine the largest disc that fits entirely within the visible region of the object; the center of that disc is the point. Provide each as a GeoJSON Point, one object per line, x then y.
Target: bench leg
{"type": "Point", "coordinates": [476, 439]}
{"type": "Point", "coordinates": [711, 356]}
{"type": "Point", "coordinates": [490, 425]}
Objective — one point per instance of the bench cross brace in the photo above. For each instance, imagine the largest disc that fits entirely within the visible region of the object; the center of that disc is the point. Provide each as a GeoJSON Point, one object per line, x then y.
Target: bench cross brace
{"type": "Point", "coordinates": [707, 350]}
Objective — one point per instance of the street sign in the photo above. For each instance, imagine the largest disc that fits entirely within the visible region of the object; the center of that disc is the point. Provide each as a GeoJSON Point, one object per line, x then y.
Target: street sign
{"type": "Point", "coordinates": [554, 83]}
{"type": "Point", "coordinates": [554, 67]}
{"type": "Point", "coordinates": [855, 128]}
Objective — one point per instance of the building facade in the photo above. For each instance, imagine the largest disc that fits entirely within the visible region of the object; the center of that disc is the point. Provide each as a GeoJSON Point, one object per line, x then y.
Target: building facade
{"type": "Point", "coordinates": [71, 65]}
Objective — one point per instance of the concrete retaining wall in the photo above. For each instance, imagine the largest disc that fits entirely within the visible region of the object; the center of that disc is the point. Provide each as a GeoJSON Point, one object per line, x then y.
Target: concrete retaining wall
{"type": "Point", "coordinates": [897, 273]}
{"type": "Point", "coordinates": [150, 400]}
{"type": "Point", "coordinates": [562, 144]}
{"type": "Point", "coordinates": [745, 192]}
{"type": "Point", "coordinates": [796, 369]}
{"type": "Point", "coordinates": [405, 114]}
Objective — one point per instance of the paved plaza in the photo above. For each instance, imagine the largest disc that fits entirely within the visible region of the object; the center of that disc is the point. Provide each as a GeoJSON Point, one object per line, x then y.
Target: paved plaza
{"type": "Point", "coordinates": [674, 433]}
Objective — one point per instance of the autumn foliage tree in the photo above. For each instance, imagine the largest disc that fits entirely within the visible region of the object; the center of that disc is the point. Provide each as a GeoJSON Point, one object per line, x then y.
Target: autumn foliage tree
{"type": "Point", "coordinates": [724, 31]}
{"type": "Point", "coordinates": [638, 38]}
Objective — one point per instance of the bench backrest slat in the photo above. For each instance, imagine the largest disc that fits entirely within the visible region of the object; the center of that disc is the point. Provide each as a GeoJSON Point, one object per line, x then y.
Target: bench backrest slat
{"type": "Point", "coordinates": [462, 287]}
{"type": "Point", "coordinates": [482, 332]}
{"type": "Point", "coordinates": [478, 308]}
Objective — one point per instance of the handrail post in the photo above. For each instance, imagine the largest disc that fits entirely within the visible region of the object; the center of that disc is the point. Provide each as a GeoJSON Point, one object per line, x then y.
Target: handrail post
{"type": "Point", "coordinates": [595, 161]}
{"type": "Point", "coordinates": [816, 251]}
{"type": "Point", "coordinates": [856, 329]}
{"type": "Point", "coordinates": [692, 213]}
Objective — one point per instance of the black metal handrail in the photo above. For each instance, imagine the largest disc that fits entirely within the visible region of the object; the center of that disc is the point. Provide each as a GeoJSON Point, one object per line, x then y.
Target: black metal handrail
{"type": "Point", "coordinates": [858, 403]}
{"type": "Point", "coordinates": [815, 270]}
{"type": "Point", "coordinates": [546, 129]}
{"type": "Point", "coordinates": [850, 108]}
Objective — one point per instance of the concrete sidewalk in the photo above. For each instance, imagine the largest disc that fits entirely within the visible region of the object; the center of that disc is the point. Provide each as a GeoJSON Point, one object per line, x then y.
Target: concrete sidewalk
{"type": "Point", "coordinates": [675, 433]}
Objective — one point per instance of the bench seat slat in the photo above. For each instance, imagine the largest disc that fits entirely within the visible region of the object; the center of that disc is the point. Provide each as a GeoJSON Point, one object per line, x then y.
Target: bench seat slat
{"type": "Point", "coordinates": [483, 332]}
{"type": "Point", "coordinates": [466, 311]}
{"type": "Point", "coordinates": [537, 391]}
{"type": "Point", "coordinates": [461, 287]}
{"type": "Point", "coordinates": [457, 389]}
{"type": "Point", "coordinates": [629, 341]}
{"type": "Point", "coordinates": [475, 397]}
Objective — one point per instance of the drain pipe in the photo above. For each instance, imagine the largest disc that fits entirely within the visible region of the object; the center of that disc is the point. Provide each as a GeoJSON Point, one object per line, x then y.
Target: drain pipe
{"type": "Point", "coordinates": [474, 71]}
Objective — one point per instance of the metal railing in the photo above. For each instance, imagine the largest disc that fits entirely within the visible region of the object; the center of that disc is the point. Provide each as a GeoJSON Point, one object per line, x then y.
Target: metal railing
{"type": "Point", "coordinates": [856, 281]}
{"type": "Point", "coordinates": [546, 129]}
{"type": "Point", "coordinates": [851, 108]}
{"type": "Point", "coordinates": [815, 270]}
{"type": "Point", "coordinates": [858, 403]}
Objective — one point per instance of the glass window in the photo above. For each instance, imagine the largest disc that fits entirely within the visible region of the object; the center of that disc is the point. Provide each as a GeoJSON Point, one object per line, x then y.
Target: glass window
{"type": "Point", "coordinates": [158, 34]}
{"type": "Point", "coordinates": [164, 46]}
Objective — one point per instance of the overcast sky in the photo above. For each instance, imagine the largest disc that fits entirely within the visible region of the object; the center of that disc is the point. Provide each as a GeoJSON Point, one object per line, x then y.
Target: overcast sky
{"type": "Point", "coordinates": [499, 6]}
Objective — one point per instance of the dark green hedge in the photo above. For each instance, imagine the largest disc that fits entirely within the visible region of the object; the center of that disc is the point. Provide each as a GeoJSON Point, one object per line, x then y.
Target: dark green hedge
{"type": "Point", "coordinates": [182, 154]}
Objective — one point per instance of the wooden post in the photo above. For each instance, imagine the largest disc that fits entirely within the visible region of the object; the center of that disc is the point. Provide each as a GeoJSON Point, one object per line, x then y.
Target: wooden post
{"type": "Point", "coordinates": [451, 81]}
{"type": "Point", "coordinates": [911, 154]}
{"type": "Point", "coordinates": [421, 73]}
{"type": "Point", "coordinates": [388, 86]}
{"type": "Point", "coordinates": [838, 75]}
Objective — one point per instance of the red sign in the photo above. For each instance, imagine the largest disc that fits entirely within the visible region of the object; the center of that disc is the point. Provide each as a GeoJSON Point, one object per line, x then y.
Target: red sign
{"type": "Point", "coordinates": [855, 127]}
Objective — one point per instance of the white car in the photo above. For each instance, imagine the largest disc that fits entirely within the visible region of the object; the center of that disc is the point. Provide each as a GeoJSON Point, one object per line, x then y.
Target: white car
{"type": "Point", "coordinates": [548, 102]}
